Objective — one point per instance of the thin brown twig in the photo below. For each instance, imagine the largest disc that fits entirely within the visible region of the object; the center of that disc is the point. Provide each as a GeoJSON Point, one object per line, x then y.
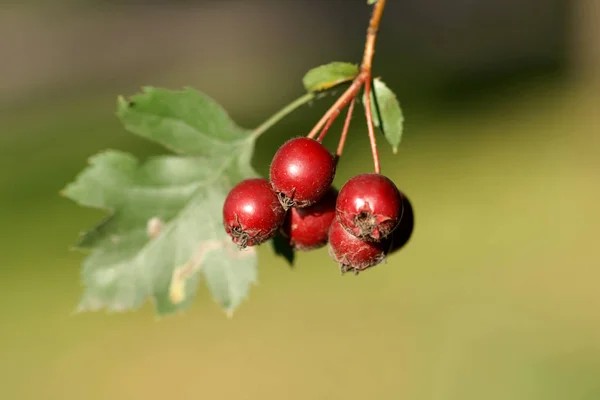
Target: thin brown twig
{"type": "Point", "coordinates": [372, 37]}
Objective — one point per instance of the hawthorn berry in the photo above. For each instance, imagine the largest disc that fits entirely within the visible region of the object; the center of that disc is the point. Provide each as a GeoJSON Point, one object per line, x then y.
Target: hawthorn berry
{"type": "Point", "coordinates": [252, 213]}
{"type": "Point", "coordinates": [308, 228]}
{"type": "Point", "coordinates": [301, 172]}
{"type": "Point", "coordinates": [369, 206]}
{"type": "Point", "coordinates": [353, 253]}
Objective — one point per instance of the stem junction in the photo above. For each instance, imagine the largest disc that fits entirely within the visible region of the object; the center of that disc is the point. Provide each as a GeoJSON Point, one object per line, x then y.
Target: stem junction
{"type": "Point", "coordinates": [362, 81]}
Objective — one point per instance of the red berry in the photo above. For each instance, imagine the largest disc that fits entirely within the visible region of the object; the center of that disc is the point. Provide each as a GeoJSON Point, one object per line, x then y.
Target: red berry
{"type": "Point", "coordinates": [252, 213]}
{"type": "Point", "coordinates": [403, 232]}
{"type": "Point", "coordinates": [301, 172]}
{"type": "Point", "coordinates": [307, 228]}
{"type": "Point", "coordinates": [369, 206]}
{"type": "Point", "coordinates": [352, 253]}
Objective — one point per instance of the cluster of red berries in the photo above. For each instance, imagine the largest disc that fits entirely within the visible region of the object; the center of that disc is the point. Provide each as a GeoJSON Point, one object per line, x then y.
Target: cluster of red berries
{"type": "Point", "coordinates": [359, 222]}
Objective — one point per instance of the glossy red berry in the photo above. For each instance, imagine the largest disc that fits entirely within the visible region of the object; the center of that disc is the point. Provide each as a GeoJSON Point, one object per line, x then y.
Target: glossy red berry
{"type": "Point", "coordinates": [403, 232]}
{"type": "Point", "coordinates": [252, 213]}
{"type": "Point", "coordinates": [369, 206]}
{"type": "Point", "coordinates": [352, 253]}
{"type": "Point", "coordinates": [301, 172]}
{"type": "Point", "coordinates": [308, 228]}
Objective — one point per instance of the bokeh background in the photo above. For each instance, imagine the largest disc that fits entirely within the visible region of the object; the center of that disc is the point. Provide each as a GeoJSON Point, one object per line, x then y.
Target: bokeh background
{"type": "Point", "coordinates": [496, 295]}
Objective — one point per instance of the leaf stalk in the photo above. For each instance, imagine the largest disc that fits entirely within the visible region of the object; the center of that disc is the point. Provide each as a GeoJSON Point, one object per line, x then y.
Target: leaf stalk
{"type": "Point", "coordinates": [279, 115]}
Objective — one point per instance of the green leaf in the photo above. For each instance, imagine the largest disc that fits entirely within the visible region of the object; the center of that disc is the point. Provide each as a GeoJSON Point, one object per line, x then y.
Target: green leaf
{"type": "Point", "coordinates": [387, 114]}
{"type": "Point", "coordinates": [187, 121]}
{"type": "Point", "coordinates": [164, 229]}
{"type": "Point", "coordinates": [372, 1]}
{"type": "Point", "coordinates": [329, 75]}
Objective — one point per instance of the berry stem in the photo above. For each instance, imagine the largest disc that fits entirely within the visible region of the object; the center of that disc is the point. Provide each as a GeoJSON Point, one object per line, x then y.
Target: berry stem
{"type": "Point", "coordinates": [366, 68]}
{"type": "Point", "coordinates": [364, 78]}
{"type": "Point", "coordinates": [339, 105]}
{"type": "Point", "coordinates": [370, 126]}
{"type": "Point", "coordinates": [342, 141]}
{"type": "Point", "coordinates": [346, 98]}
{"type": "Point", "coordinates": [279, 115]}
{"type": "Point", "coordinates": [327, 126]}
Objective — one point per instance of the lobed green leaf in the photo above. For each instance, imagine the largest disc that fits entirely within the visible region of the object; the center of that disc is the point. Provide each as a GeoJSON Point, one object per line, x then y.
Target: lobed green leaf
{"type": "Point", "coordinates": [164, 229]}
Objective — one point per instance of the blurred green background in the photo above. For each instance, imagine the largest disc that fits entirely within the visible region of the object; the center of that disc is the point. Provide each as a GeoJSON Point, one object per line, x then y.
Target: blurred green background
{"type": "Point", "coordinates": [495, 296]}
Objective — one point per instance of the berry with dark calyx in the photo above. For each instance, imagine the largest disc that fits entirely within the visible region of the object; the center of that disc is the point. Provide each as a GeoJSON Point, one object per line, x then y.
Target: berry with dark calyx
{"type": "Point", "coordinates": [308, 228]}
{"type": "Point", "coordinates": [252, 213]}
{"type": "Point", "coordinates": [354, 254]}
{"type": "Point", "coordinates": [369, 206]}
{"type": "Point", "coordinates": [301, 172]}
{"type": "Point", "coordinates": [403, 232]}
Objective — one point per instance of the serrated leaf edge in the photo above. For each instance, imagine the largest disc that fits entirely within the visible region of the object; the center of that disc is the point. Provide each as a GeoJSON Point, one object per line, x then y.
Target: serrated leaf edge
{"type": "Point", "coordinates": [123, 105]}
{"type": "Point", "coordinates": [167, 226]}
